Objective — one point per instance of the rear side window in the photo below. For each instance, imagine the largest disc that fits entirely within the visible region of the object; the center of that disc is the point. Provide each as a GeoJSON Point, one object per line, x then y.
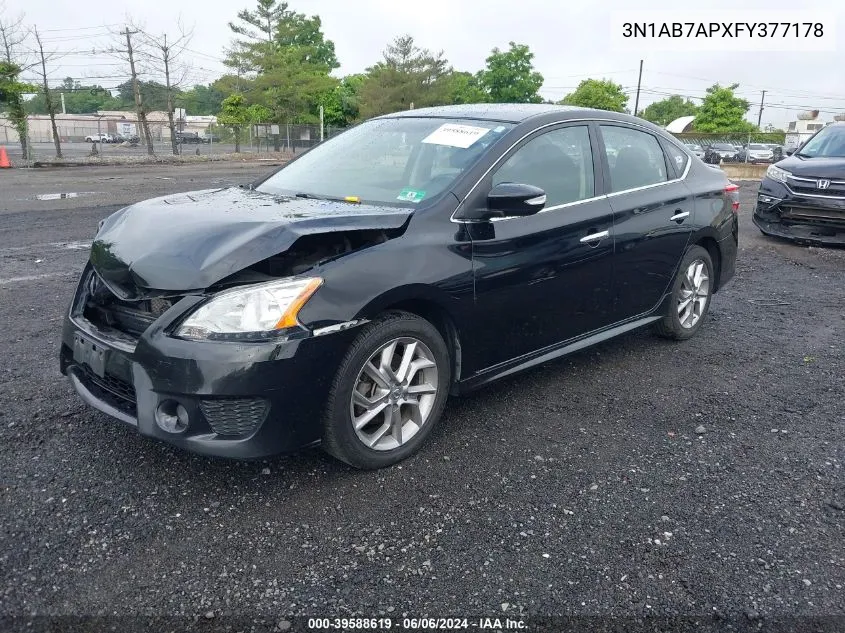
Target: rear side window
{"type": "Point", "coordinates": [677, 158]}
{"type": "Point", "coordinates": [635, 158]}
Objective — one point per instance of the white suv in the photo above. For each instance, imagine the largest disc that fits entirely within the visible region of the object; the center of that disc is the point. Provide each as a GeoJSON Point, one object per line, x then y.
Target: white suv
{"type": "Point", "coordinates": [99, 138]}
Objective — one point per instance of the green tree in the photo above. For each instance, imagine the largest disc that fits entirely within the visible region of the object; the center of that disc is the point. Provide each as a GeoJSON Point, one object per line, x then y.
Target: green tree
{"type": "Point", "coordinates": [407, 75]}
{"type": "Point", "coordinates": [234, 114]}
{"type": "Point", "coordinates": [201, 100]}
{"type": "Point", "coordinates": [509, 76]}
{"type": "Point", "coordinates": [78, 98]}
{"type": "Point", "coordinates": [153, 94]}
{"type": "Point", "coordinates": [466, 88]}
{"type": "Point", "coordinates": [667, 110]}
{"type": "Point", "coordinates": [602, 94]}
{"type": "Point", "coordinates": [283, 62]}
{"type": "Point", "coordinates": [723, 112]}
{"type": "Point", "coordinates": [11, 100]}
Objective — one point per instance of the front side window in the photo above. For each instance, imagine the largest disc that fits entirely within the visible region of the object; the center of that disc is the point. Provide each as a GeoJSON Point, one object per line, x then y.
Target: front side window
{"type": "Point", "coordinates": [635, 158]}
{"type": "Point", "coordinates": [560, 162]}
{"type": "Point", "coordinates": [400, 161]}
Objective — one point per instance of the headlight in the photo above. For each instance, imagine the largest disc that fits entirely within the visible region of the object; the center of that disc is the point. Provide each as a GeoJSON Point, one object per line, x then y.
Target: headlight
{"type": "Point", "coordinates": [776, 173]}
{"type": "Point", "coordinates": [250, 313]}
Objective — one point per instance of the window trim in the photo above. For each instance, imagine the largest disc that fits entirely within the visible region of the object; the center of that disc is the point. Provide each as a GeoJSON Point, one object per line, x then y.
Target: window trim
{"type": "Point", "coordinates": [591, 122]}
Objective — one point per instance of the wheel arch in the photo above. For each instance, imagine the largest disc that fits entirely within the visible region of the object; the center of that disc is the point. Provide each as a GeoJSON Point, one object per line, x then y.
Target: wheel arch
{"type": "Point", "coordinates": [431, 305]}
{"type": "Point", "coordinates": [709, 244]}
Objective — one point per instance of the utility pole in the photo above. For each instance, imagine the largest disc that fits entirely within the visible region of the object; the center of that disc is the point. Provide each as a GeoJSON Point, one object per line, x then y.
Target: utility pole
{"type": "Point", "coordinates": [321, 123]}
{"type": "Point", "coordinates": [165, 57]}
{"type": "Point", "coordinates": [47, 99]}
{"type": "Point", "coordinates": [760, 115]}
{"type": "Point", "coordinates": [639, 83]}
{"type": "Point", "coordinates": [139, 106]}
{"type": "Point", "coordinates": [64, 110]}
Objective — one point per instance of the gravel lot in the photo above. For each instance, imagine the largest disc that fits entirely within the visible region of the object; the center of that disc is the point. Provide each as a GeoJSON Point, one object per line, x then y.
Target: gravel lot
{"type": "Point", "coordinates": [584, 488]}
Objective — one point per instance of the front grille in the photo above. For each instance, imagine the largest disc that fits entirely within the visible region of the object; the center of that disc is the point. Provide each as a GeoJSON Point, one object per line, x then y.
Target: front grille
{"type": "Point", "coordinates": [234, 416]}
{"type": "Point", "coordinates": [820, 217]}
{"type": "Point", "coordinates": [105, 310]}
{"type": "Point", "coordinates": [835, 188]}
{"type": "Point", "coordinates": [109, 388]}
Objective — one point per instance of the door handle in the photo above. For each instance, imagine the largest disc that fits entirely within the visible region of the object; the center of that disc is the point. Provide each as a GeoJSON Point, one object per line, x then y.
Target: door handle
{"type": "Point", "coordinates": [594, 237]}
{"type": "Point", "coordinates": [680, 216]}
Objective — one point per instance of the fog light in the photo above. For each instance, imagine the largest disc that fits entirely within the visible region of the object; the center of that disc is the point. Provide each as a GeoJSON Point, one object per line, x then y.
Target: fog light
{"type": "Point", "coordinates": [171, 417]}
{"type": "Point", "coordinates": [768, 199]}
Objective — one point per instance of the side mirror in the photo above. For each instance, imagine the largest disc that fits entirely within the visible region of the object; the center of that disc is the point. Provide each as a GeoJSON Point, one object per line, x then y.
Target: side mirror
{"type": "Point", "coordinates": [508, 200]}
{"type": "Point", "coordinates": [789, 152]}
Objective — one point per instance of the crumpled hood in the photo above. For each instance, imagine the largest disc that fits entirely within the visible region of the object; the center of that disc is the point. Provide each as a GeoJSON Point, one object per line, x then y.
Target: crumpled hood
{"type": "Point", "coordinates": [822, 167]}
{"type": "Point", "coordinates": [192, 240]}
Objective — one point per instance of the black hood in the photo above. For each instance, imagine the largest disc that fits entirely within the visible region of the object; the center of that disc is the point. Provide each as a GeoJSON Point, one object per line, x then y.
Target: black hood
{"type": "Point", "coordinates": [831, 168]}
{"type": "Point", "coordinates": [192, 240]}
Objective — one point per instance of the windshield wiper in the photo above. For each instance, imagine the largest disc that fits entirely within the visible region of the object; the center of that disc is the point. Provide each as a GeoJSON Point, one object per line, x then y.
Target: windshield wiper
{"type": "Point", "coordinates": [802, 155]}
{"type": "Point", "coordinates": [314, 196]}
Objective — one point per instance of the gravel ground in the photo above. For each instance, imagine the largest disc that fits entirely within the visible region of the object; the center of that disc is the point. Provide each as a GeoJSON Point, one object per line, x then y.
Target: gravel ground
{"type": "Point", "coordinates": [670, 486]}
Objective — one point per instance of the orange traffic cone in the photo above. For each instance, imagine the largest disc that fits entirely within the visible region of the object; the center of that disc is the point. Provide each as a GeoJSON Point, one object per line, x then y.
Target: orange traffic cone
{"type": "Point", "coordinates": [4, 159]}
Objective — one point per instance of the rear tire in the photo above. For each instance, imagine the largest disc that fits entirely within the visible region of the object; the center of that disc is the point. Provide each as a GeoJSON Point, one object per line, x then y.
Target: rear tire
{"type": "Point", "coordinates": [692, 291]}
{"type": "Point", "coordinates": [388, 393]}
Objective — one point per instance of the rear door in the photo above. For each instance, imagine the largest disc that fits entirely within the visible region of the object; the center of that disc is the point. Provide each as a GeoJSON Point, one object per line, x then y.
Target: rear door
{"type": "Point", "coordinates": [653, 209]}
{"type": "Point", "coordinates": [545, 278]}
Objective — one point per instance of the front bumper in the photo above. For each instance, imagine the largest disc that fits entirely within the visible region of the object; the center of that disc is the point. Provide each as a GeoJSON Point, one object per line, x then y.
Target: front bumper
{"type": "Point", "coordinates": [242, 400]}
{"type": "Point", "coordinates": [806, 219]}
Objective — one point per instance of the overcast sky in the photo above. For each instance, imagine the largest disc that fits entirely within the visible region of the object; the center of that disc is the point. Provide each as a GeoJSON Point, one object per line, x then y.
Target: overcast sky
{"type": "Point", "coordinates": [571, 42]}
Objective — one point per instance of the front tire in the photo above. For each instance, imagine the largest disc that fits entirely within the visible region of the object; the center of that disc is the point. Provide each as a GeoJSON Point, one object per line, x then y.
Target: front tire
{"type": "Point", "coordinates": [389, 392]}
{"type": "Point", "coordinates": [692, 291]}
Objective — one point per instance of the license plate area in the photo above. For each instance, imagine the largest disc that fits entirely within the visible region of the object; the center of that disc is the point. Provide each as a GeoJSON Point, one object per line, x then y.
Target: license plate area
{"type": "Point", "coordinates": [89, 352]}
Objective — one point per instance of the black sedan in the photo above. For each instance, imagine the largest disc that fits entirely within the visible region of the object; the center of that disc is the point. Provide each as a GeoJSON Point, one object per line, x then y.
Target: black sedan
{"type": "Point", "coordinates": [721, 152]}
{"type": "Point", "coordinates": [342, 298]}
{"type": "Point", "coordinates": [802, 198]}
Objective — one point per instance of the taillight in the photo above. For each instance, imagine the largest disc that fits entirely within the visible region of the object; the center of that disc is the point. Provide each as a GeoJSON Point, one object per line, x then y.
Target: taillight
{"type": "Point", "coordinates": [732, 192]}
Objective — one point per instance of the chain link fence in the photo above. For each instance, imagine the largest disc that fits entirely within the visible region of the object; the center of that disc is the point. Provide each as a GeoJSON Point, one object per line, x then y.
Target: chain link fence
{"type": "Point", "coordinates": [117, 135]}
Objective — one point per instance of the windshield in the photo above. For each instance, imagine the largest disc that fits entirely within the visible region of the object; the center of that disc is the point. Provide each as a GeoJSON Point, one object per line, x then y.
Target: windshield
{"type": "Point", "coordinates": [724, 146]}
{"type": "Point", "coordinates": [757, 146]}
{"type": "Point", "coordinates": [830, 142]}
{"type": "Point", "coordinates": [396, 161]}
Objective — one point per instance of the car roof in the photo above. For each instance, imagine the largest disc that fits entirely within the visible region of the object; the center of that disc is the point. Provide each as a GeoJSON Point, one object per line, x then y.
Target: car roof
{"type": "Point", "coordinates": [512, 112]}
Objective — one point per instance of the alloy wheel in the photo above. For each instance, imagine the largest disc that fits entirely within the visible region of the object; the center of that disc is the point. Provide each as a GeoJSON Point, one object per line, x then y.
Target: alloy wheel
{"type": "Point", "coordinates": [694, 294]}
{"type": "Point", "coordinates": [394, 394]}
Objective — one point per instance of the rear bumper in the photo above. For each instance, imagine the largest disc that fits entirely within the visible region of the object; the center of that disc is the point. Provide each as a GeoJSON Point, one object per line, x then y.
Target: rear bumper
{"type": "Point", "coordinates": [242, 401]}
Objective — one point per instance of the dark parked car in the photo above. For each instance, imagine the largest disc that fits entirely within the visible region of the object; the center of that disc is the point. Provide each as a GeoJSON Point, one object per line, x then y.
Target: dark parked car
{"type": "Point", "coordinates": [718, 152]}
{"type": "Point", "coordinates": [802, 197]}
{"type": "Point", "coordinates": [188, 137]}
{"type": "Point", "coordinates": [342, 298]}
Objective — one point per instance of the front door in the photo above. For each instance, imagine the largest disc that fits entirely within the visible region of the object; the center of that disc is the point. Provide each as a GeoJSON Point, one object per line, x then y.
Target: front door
{"type": "Point", "coordinates": [546, 278]}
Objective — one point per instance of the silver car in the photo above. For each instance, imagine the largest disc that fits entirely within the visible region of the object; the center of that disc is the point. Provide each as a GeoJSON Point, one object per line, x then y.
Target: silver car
{"type": "Point", "coordinates": [759, 153]}
{"type": "Point", "coordinates": [695, 149]}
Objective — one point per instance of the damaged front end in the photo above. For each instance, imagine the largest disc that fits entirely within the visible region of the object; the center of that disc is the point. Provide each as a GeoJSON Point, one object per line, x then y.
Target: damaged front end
{"type": "Point", "coordinates": [806, 210]}
{"type": "Point", "coordinates": [186, 315]}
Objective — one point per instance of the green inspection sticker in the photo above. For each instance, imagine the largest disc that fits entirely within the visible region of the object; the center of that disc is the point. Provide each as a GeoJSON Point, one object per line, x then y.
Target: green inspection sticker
{"type": "Point", "coordinates": [410, 195]}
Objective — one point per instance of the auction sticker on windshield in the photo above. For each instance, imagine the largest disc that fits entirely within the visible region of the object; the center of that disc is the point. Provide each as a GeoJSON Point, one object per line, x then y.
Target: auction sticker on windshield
{"type": "Point", "coordinates": [410, 195]}
{"type": "Point", "coordinates": [455, 135]}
